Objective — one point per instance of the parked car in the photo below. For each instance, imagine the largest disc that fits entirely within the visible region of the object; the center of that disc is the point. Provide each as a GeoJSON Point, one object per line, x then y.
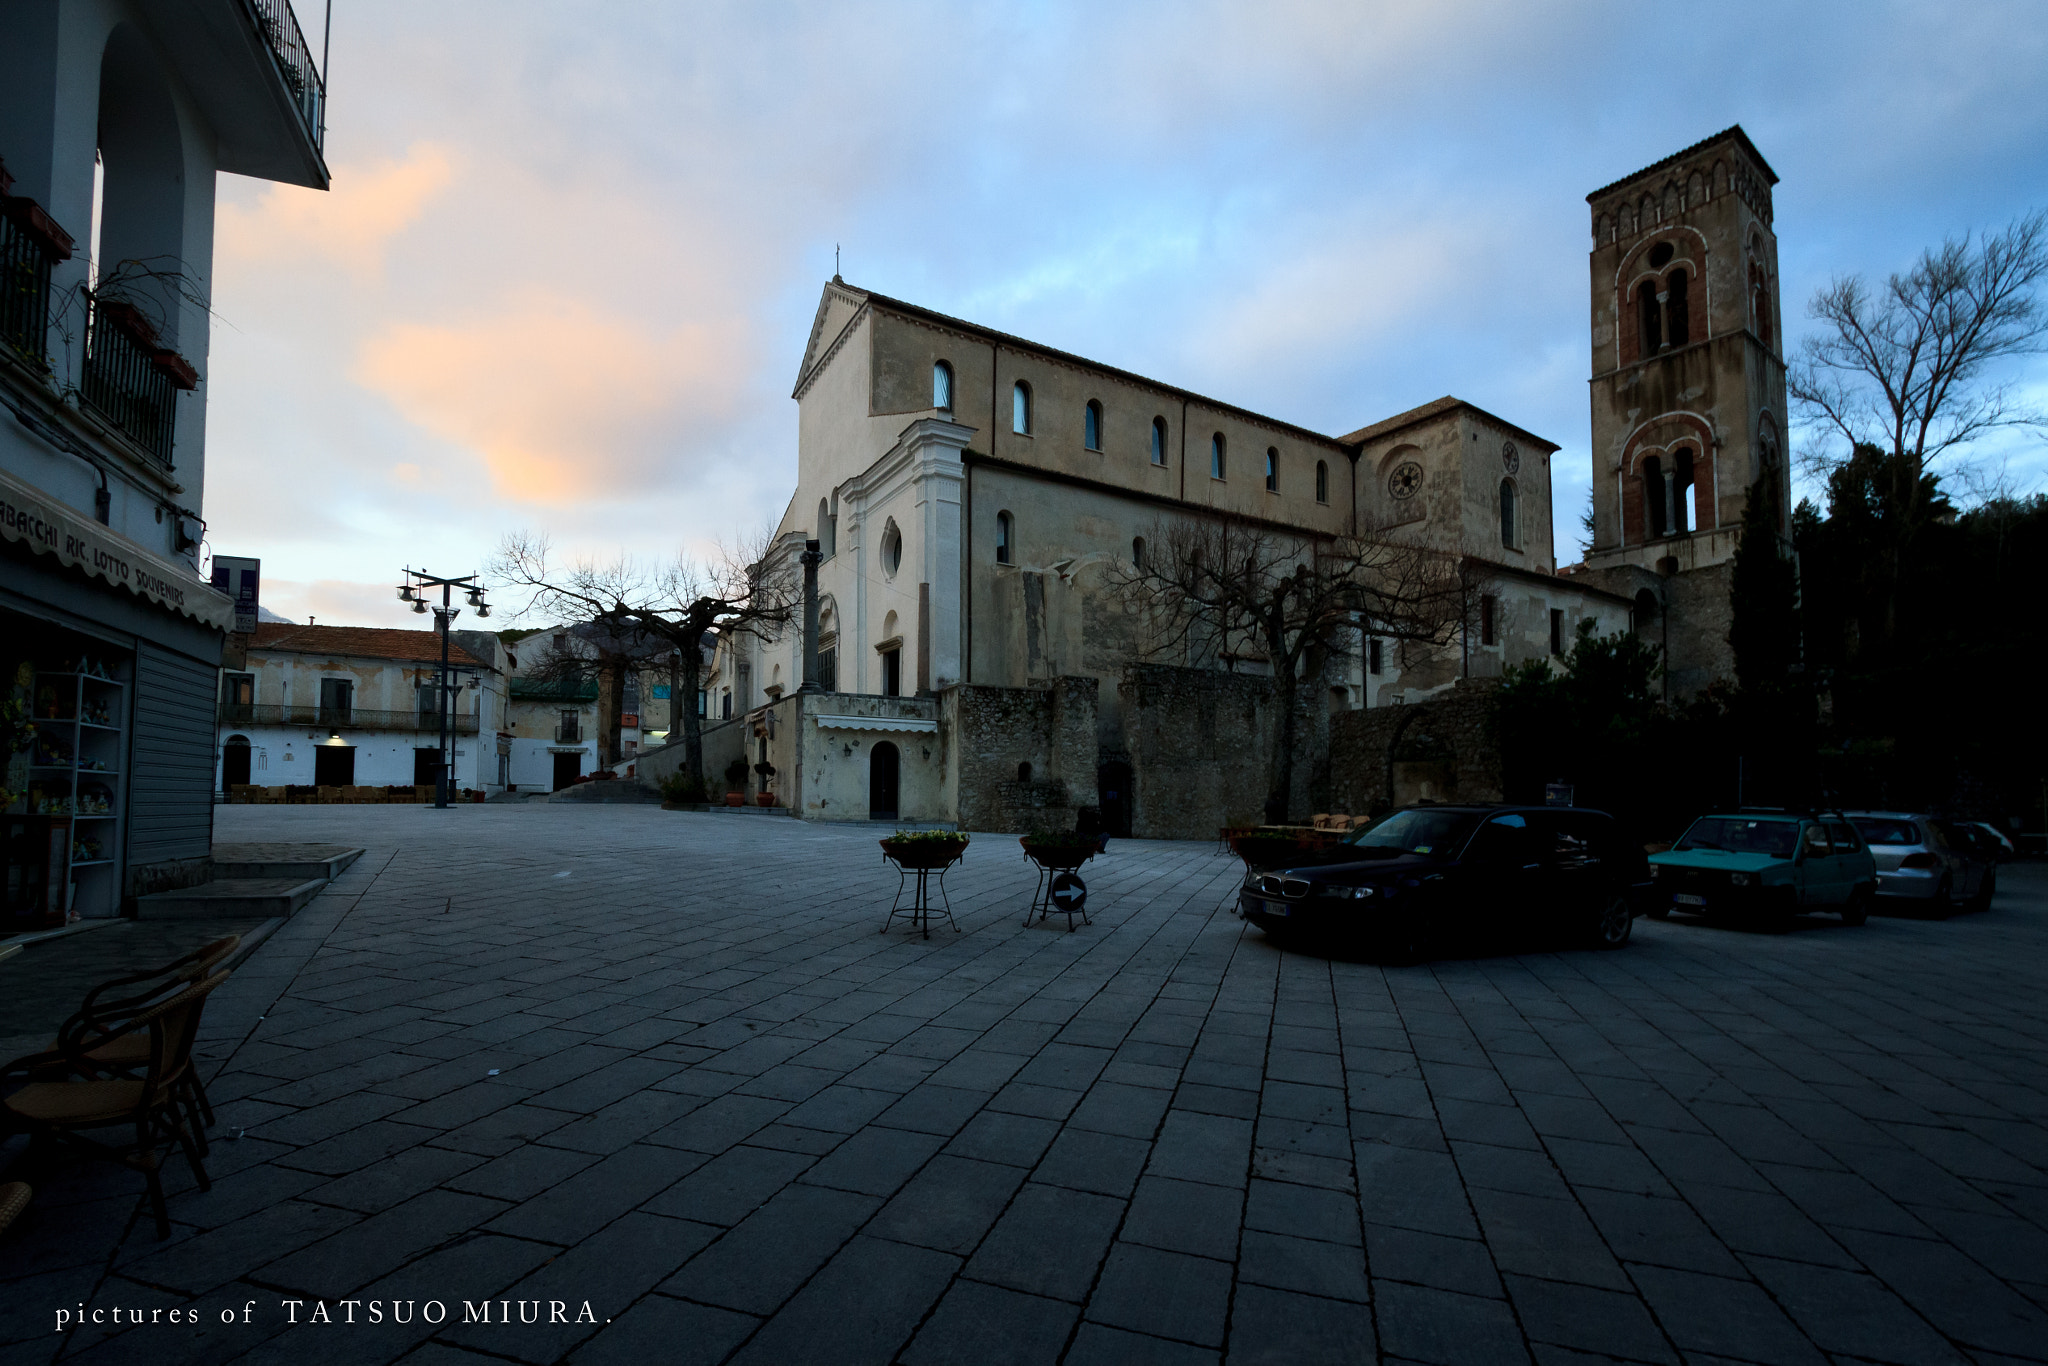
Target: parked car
{"type": "Point", "coordinates": [2001, 846]}
{"type": "Point", "coordinates": [1769, 865]}
{"type": "Point", "coordinates": [1923, 859]}
{"type": "Point", "coordinates": [1422, 876]}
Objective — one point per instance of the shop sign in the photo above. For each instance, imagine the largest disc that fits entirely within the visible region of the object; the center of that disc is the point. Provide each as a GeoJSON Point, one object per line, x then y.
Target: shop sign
{"type": "Point", "coordinates": [46, 526]}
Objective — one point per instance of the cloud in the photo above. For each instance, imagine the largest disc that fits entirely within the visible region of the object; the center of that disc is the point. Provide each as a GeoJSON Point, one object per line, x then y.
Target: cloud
{"type": "Point", "coordinates": [351, 225]}
{"type": "Point", "coordinates": [560, 399]}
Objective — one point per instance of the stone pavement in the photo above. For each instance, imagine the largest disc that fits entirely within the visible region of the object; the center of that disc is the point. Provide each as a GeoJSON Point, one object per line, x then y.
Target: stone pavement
{"type": "Point", "coordinates": [663, 1063]}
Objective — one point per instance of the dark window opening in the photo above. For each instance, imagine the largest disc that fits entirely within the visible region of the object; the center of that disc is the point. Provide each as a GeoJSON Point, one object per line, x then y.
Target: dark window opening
{"type": "Point", "coordinates": [1216, 454]}
{"type": "Point", "coordinates": [1374, 661]}
{"type": "Point", "coordinates": [1682, 520]}
{"type": "Point", "coordinates": [828, 668]}
{"type": "Point", "coordinates": [1024, 772]}
{"type": "Point", "coordinates": [337, 700]}
{"type": "Point", "coordinates": [1322, 481]}
{"type": "Point", "coordinates": [892, 673]}
{"type": "Point", "coordinates": [1661, 254]}
{"type": "Point", "coordinates": [1486, 615]}
{"type": "Point", "coordinates": [1677, 312]}
{"type": "Point", "coordinates": [1556, 631]}
{"type": "Point", "coordinates": [1508, 522]}
{"type": "Point", "coordinates": [1138, 552]}
{"type": "Point", "coordinates": [1091, 426]}
{"type": "Point", "coordinates": [1159, 441]}
{"type": "Point", "coordinates": [1653, 496]}
{"type": "Point", "coordinates": [1272, 469]}
{"type": "Point", "coordinates": [1652, 319]}
{"type": "Point", "coordinates": [1004, 527]}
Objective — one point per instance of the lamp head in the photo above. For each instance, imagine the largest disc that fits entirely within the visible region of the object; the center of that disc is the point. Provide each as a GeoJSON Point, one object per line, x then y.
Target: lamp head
{"type": "Point", "coordinates": [419, 607]}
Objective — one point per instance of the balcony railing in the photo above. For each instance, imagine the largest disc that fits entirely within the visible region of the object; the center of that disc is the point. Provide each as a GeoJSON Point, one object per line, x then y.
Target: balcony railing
{"type": "Point", "coordinates": [568, 733]}
{"type": "Point", "coordinates": [24, 294]}
{"type": "Point", "coordinates": [130, 380]}
{"type": "Point", "coordinates": [294, 62]}
{"type": "Point", "coordinates": [340, 718]}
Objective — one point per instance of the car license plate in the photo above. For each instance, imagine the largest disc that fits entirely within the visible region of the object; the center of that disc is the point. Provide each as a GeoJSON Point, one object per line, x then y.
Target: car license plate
{"type": "Point", "coordinates": [1688, 899]}
{"type": "Point", "coordinates": [1278, 908]}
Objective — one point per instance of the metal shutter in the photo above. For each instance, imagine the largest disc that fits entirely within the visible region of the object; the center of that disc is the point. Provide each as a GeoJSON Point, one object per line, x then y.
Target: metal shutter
{"type": "Point", "coordinates": [170, 789]}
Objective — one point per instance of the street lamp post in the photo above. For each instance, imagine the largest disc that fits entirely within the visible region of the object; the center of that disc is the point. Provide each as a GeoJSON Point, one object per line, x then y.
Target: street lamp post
{"type": "Point", "coordinates": [444, 616]}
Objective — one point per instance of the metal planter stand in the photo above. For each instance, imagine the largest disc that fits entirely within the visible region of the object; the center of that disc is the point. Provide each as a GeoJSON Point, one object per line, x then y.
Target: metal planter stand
{"type": "Point", "coordinates": [1053, 861]}
{"type": "Point", "coordinates": [920, 910]}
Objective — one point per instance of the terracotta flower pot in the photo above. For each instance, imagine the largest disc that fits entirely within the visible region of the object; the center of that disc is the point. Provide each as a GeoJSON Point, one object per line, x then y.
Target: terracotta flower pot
{"type": "Point", "coordinates": [735, 799]}
{"type": "Point", "coordinates": [764, 799]}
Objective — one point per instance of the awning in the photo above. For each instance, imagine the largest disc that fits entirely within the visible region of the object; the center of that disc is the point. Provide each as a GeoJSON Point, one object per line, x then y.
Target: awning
{"type": "Point", "coordinates": [49, 527]}
{"type": "Point", "coordinates": [894, 723]}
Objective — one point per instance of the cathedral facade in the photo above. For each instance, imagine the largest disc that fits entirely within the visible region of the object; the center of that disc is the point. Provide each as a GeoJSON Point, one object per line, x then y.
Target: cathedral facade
{"type": "Point", "coordinates": [973, 499]}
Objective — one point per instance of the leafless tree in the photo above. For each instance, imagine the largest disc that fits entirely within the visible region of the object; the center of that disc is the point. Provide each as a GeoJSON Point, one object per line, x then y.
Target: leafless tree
{"type": "Point", "coordinates": [1227, 589]}
{"type": "Point", "coordinates": [1909, 369]}
{"type": "Point", "coordinates": [661, 615]}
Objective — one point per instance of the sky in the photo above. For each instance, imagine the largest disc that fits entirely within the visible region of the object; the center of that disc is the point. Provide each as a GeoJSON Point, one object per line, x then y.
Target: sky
{"type": "Point", "coordinates": [572, 251]}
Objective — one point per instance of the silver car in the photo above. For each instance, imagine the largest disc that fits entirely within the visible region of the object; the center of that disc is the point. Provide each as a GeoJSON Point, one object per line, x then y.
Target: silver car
{"type": "Point", "coordinates": [1921, 858]}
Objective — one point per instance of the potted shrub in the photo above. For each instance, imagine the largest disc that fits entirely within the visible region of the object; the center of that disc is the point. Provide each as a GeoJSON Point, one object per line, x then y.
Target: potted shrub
{"type": "Point", "coordinates": [764, 797]}
{"type": "Point", "coordinates": [1061, 850]}
{"type": "Point", "coordinates": [736, 783]}
{"type": "Point", "coordinates": [924, 848]}
{"type": "Point", "coordinates": [681, 790]}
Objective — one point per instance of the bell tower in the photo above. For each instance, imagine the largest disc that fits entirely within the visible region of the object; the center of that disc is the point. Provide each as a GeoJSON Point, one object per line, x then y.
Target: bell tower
{"type": "Point", "coordinates": [1688, 388]}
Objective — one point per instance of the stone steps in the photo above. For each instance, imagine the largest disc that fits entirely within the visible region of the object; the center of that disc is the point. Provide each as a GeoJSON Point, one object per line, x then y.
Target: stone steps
{"type": "Point", "coordinates": [253, 881]}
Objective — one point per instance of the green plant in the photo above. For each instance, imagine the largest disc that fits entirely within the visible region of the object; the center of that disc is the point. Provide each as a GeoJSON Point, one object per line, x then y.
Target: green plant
{"type": "Point", "coordinates": [928, 837]}
{"type": "Point", "coordinates": [684, 789]}
{"type": "Point", "coordinates": [736, 774]}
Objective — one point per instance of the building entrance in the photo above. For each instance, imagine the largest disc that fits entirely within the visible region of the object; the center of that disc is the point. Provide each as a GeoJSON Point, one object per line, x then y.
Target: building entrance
{"type": "Point", "coordinates": [883, 770]}
{"type": "Point", "coordinates": [234, 763]}
{"type": "Point", "coordinates": [568, 768]}
{"type": "Point", "coordinates": [334, 765]}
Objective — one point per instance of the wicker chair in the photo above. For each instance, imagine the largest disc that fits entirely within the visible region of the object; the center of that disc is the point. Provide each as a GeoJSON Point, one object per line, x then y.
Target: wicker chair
{"type": "Point", "coordinates": [64, 1096]}
{"type": "Point", "coordinates": [99, 1028]}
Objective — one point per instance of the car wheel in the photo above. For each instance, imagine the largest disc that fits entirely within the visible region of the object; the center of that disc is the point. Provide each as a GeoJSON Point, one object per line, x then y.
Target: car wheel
{"type": "Point", "coordinates": [1986, 890]}
{"type": "Point", "coordinates": [1617, 921]}
{"type": "Point", "coordinates": [1856, 909]}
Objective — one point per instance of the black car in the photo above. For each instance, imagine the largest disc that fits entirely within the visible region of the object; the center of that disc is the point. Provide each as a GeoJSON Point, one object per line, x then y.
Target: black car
{"type": "Point", "coordinates": [1428, 876]}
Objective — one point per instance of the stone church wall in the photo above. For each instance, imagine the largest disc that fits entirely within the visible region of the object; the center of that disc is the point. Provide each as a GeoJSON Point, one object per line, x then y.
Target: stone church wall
{"type": "Point", "coordinates": [995, 733]}
{"type": "Point", "coordinates": [1200, 744]}
{"type": "Point", "coordinates": [1442, 750]}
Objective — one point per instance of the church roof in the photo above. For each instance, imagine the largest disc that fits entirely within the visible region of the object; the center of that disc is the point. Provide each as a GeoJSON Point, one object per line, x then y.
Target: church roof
{"type": "Point", "coordinates": [1449, 403]}
{"type": "Point", "coordinates": [1735, 132]}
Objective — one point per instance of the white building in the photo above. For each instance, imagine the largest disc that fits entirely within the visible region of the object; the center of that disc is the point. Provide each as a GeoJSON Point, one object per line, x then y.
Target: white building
{"type": "Point", "coordinates": [116, 118]}
{"type": "Point", "coordinates": [359, 706]}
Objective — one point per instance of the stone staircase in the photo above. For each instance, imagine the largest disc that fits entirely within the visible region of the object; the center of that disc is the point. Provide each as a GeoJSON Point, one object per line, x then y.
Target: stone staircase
{"type": "Point", "coordinates": [255, 881]}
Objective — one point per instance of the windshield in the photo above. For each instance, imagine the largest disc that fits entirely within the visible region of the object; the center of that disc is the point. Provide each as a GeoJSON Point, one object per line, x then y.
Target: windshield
{"type": "Point", "coordinates": [1736, 835]}
{"type": "Point", "coordinates": [1879, 831]}
{"type": "Point", "coordinates": [1417, 831]}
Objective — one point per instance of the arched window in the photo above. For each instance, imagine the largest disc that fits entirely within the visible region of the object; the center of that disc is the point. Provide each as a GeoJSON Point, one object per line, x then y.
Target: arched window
{"type": "Point", "coordinates": [828, 530]}
{"type": "Point", "coordinates": [1091, 426]}
{"type": "Point", "coordinates": [942, 387]}
{"type": "Point", "coordinates": [1508, 523]}
{"type": "Point", "coordinates": [1677, 313]}
{"type": "Point", "coordinates": [1138, 552]}
{"type": "Point", "coordinates": [1651, 335]}
{"type": "Point", "coordinates": [1653, 496]}
{"type": "Point", "coordinates": [1759, 304]}
{"type": "Point", "coordinates": [1322, 481]}
{"type": "Point", "coordinates": [1272, 469]}
{"type": "Point", "coordinates": [1216, 454]}
{"type": "Point", "coordinates": [1005, 529]}
{"type": "Point", "coordinates": [1020, 409]}
{"type": "Point", "coordinates": [1681, 491]}
{"type": "Point", "coordinates": [1159, 441]}
{"type": "Point", "coordinates": [1024, 772]}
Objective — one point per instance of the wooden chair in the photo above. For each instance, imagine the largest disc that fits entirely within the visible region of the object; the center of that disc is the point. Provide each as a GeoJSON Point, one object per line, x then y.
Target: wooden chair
{"type": "Point", "coordinates": [241, 793]}
{"type": "Point", "coordinates": [424, 792]}
{"type": "Point", "coordinates": [98, 1029]}
{"type": "Point", "coordinates": [64, 1096]}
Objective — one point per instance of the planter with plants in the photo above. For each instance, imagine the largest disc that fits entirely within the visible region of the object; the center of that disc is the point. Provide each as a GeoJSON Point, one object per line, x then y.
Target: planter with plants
{"type": "Point", "coordinates": [764, 797]}
{"type": "Point", "coordinates": [736, 783]}
{"type": "Point", "coordinates": [924, 848]}
{"type": "Point", "coordinates": [682, 791]}
{"type": "Point", "coordinates": [1060, 850]}
{"type": "Point", "coordinates": [1264, 849]}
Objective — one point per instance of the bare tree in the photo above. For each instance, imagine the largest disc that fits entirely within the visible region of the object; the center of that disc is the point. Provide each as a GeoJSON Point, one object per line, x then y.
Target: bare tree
{"type": "Point", "coordinates": [1907, 369]}
{"type": "Point", "coordinates": [1225, 589]}
{"type": "Point", "coordinates": [658, 615]}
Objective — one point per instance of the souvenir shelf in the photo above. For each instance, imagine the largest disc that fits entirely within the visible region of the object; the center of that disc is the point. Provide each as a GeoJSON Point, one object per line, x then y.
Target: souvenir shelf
{"type": "Point", "coordinates": [74, 789]}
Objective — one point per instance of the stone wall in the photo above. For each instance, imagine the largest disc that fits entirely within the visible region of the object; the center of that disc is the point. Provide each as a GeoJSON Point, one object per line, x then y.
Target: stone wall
{"type": "Point", "coordinates": [1200, 745]}
{"type": "Point", "coordinates": [1020, 759]}
{"type": "Point", "coordinates": [1441, 750]}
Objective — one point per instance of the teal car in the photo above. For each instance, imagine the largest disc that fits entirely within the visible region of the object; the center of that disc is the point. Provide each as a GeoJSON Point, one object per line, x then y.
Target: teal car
{"type": "Point", "coordinates": [1766, 866]}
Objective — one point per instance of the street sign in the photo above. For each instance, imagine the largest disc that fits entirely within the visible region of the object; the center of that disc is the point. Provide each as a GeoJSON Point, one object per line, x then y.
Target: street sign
{"type": "Point", "coordinates": [1069, 894]}
{"type": "Point", "coordinates": [238, 578]}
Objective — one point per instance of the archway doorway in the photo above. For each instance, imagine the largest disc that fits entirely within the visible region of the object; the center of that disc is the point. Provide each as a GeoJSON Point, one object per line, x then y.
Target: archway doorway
{"type": "Point", "coordinates": [1424, 769]}
{"type": "Point", "coordinates": [234, 763]}
{"type": "Point", "coordinates": [1113, 795]}
{"type": "Point", "coordinates": [884, 764]}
